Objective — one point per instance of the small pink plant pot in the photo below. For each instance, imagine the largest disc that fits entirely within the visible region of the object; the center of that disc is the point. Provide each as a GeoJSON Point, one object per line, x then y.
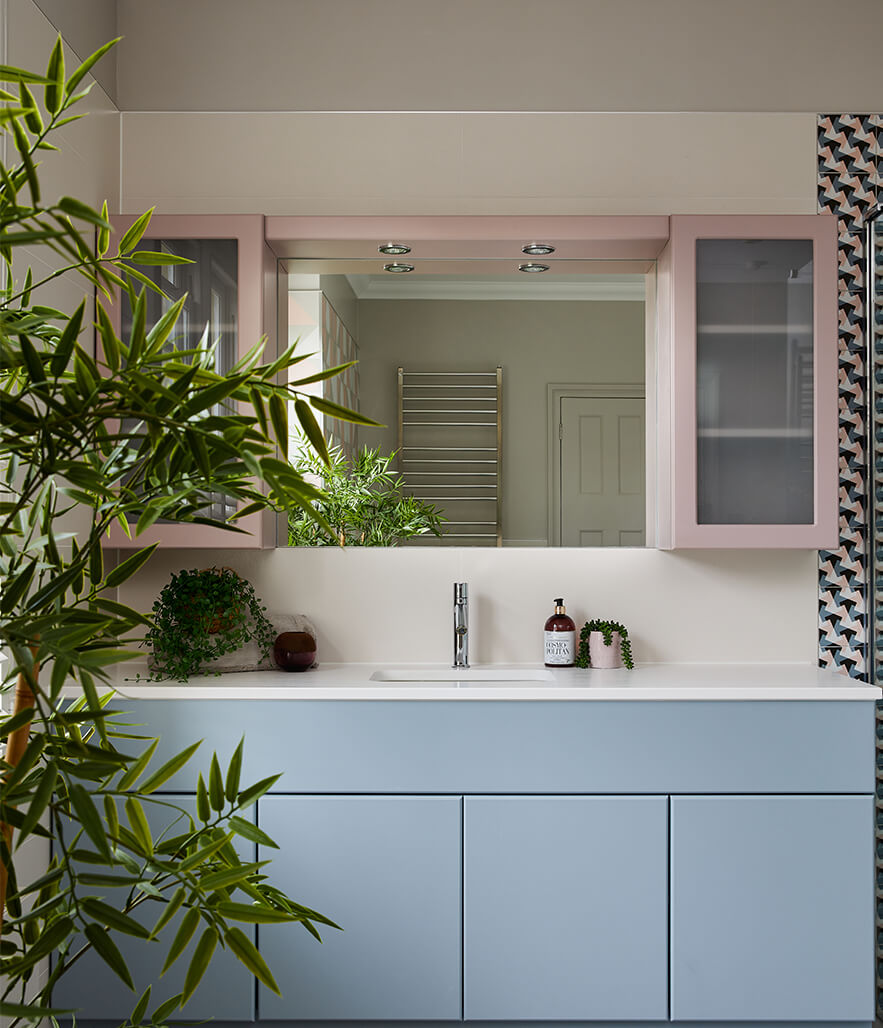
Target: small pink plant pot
{"type": "Point", "coordinates": [604, 657]}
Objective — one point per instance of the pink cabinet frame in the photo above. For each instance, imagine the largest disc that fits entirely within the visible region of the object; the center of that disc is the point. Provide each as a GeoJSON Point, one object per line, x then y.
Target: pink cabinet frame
{"type": "Point", "coordinates": [256, 317]}
{"type": "Point", "coordinates": [677, 522]}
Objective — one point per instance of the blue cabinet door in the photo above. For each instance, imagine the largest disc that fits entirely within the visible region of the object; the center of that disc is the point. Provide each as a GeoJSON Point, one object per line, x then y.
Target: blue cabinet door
{"type": "Point", "coordinates": [227, 989]}
{"type": "Point", "coordinates": [772, 908]}
{"type": "Point", "coordinates": [387, 870]}
{"type": "Point", "coordinates": [565, 908]}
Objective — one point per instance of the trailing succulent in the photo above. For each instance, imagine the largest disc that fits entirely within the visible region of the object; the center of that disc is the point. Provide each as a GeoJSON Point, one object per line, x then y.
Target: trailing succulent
{"type": "Point", "coordinates": [606, 628]}
{"type": "Point", "coordinates": [201, 615]}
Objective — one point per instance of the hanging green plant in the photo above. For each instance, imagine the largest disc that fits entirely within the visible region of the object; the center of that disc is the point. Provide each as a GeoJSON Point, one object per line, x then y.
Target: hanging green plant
{"type": "Point", "coordinates": [199, 616]}
{"type": "Point", "coordinates": [607, 629]}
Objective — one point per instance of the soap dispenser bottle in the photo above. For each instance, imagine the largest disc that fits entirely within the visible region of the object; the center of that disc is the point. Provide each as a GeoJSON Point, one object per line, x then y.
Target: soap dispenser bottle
{"type": "Point", "coordinates": [560, 638]}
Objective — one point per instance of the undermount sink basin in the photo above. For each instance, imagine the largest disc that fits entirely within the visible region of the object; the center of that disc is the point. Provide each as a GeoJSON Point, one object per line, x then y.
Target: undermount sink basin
{"type": "Point", "coordinates": [462, 675]}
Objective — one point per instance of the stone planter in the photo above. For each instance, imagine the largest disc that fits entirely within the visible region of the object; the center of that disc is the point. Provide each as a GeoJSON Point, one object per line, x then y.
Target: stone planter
{"type": "Point", "coordinates": [604, 657]}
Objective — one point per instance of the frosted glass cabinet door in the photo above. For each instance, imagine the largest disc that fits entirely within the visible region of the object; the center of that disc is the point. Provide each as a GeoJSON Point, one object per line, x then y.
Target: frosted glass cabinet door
{"type": "Point", "coordinates": [565, 908]}
{"type": "Point", "coordinates": [772, 908]}
{"type": "Point", "coordinates": [387, 870]}
{"type": "Point", "coordinates": [228, 987]}
{"type": "Point", "coordinates": [228, 290]}
{"type": "Point", "coordinates": [754, 345]}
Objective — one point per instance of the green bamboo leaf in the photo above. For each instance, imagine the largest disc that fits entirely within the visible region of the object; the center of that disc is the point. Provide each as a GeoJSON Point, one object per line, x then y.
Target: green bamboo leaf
{"type": "Point", "coordinates": [138, 821]}
{"type": "Point", "coordinates": [157, 257]}
{"type": "Point", "coordinates": [74, 208]}
{"type": "Point", "coordinates": [65, 346]}
{"type": "Point", "coordinates": [89, 818]}
{"type": "Point", "coordinates": [254, 792]}
{"type": "Point", "coordinates": [123, 572]}
{"type": "Point", "coordinates": [9, 73]}
{"type": "Point", "coordinates": [205, 853]}
{"type": "Point", "coordinates": [343, 413]}
{"type": "Point", "coordinates": [32, 1011]}
{"type": "Point", "coordinates": [10, 724]}
{"type": "Point", "coordinates": [246, 951]}
{"type": "Point", "coordinates": [110, 344]}
{"type": "Point", "coordinates": [134, 233]}
{"type": "Point", "coordinates": [234, 770]}
{"type": "Point", "coordinates": [171, 908]}
{"type": "Point", "coordinates": [202, 955]}
{"type": "Point", "coordinates": [253, 913]}
{"type": "Point", "coordinates": [140, 1008]}
{"type": "Point", "coordinates": [203, 808]}
{"type": "Point", "coordinates": [279, 417]}
{"type": "Point", "coordinates": [215, 881]}
{"type": "Point", "coordinates": [41, 800]}
{"type": "Point", "coordinates": [185, 932]}
{"type": "Point", "coordinates": [104, 231]}
{"type": "Point", "coordinates": [311, 429]}
{"type": "Point", "coordinates": [107, 950]}
{"type": "Point", "coordinates": [161, 331]}
{"type": "Point", "coordinates": [32, 360]}
{"type": "Point", "coordinates": [215, 785]}
{"type": "Point", "coordinates": [171, 767]}
{"type": "Point", "coordinates": [164, 1009]}
{"type": "Point", "coordinates": [322, 375]}
{"type": "Point", "coordinates": [26, 288]}
{"type": "Point", "coordinates": [87, 65]}
{"type": "Point", "coordinates": [138, 768]}
{"type": "Point", "coordinates": [53, 92]}
{"type": "Point", "coordinates": [250, 831]}
{"type": "Point", "coordinates": [32, 113]}
{"type": "Point", "coordinates": [112, 817]}
{"type": "Point", "coordinates": [110, 917]}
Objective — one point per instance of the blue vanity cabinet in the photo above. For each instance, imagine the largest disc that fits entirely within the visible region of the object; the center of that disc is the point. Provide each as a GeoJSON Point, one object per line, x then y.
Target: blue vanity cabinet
{"type": "Point", "coordinates": [387, 869]}
{"type": "Point", "coordinates": [565, 908]}
{"type": "Point", "coordinates": [91, 988]}
{"type": "Point", "coordinates": [772, 908]}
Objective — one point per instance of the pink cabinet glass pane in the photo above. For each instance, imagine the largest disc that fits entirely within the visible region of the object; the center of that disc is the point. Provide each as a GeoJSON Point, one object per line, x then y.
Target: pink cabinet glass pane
{"type": "Point", "coordinates": [754, 381]}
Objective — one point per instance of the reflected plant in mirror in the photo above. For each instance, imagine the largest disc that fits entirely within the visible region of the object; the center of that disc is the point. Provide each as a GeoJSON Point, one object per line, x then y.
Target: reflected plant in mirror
{"type": "Point", "coordinates": [364, 502]}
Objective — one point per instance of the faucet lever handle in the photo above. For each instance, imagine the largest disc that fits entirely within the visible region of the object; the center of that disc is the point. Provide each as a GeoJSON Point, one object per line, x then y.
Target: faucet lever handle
{"type": "Point", "coordinates": [461, 592]}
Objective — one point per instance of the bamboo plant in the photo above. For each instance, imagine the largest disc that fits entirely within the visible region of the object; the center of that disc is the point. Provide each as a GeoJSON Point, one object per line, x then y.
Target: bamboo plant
{"type": "Point", "coordinates": [129, 437]}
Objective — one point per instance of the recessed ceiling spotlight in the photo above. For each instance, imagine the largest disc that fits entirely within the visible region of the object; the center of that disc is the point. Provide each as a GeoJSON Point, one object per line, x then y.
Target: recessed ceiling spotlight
{"type": "Point", "coordinates": [538, 249]}
{"type": "Point", "coordinates": [533, 269]}
{"type": "Point", "coordinates": [394, 249]}
{"type": "Point", "coordinates": [398, 269]}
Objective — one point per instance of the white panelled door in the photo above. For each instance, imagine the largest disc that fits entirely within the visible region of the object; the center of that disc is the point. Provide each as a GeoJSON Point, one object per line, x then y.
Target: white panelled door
{"type": "Point", "coordinates": [602, 471]}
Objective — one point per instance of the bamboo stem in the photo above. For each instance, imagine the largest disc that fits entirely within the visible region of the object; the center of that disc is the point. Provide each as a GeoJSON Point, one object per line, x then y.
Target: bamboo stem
{"type": "Point", "coordinates": [15, 748]}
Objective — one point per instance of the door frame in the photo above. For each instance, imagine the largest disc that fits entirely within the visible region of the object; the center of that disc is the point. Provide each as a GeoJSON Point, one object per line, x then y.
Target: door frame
{"type": "Point", "coordinates": [555, 393]}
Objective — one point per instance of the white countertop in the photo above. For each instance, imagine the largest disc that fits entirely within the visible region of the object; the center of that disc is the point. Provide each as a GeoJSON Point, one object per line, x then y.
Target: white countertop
{"type": "Point", "coordinates": [645, 682]}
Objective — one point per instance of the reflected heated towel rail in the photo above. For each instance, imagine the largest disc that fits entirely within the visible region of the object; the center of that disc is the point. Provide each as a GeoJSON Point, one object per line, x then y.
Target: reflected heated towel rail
{"type": "Point", "coordinates": [450, 448]}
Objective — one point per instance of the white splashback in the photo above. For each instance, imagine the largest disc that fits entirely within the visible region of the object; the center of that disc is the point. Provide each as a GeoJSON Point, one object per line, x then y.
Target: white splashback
{"type": "Point", "coordinates": [395, 605]}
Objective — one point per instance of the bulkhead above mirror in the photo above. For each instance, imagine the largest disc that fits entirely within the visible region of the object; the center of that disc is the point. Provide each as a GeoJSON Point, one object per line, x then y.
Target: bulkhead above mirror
{"type": "Point", "coordinates": [512, 405]}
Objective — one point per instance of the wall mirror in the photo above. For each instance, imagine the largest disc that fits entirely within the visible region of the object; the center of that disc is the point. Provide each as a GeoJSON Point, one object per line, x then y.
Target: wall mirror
{"type": "Point", "coordinates": [513, 401]}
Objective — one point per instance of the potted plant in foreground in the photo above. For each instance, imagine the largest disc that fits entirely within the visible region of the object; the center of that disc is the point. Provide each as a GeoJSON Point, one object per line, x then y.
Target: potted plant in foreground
{"type": "Point", "coordinates": [130, 436]}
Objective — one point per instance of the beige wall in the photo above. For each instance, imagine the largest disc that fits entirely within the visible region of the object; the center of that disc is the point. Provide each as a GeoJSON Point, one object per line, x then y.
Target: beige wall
{"type": "Point", "coordinates": [536, 342]}
{"type": "Point", "coordinates": [85, 26]}
{"type": "Point", "coordinates": [405, 163]}
{"type": "Point", "coordinates": [395, 604]}
{"type": "Point", "coordinates": [491, 55]}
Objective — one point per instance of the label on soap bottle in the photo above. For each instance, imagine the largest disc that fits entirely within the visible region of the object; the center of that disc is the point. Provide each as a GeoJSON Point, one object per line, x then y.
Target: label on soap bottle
{"type": "Point", "coordinates": [559, 647]}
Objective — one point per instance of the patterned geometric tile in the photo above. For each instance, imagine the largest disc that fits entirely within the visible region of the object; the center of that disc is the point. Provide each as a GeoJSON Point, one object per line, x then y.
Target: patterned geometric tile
{"type": "Point", "coordinates": [848, 151]}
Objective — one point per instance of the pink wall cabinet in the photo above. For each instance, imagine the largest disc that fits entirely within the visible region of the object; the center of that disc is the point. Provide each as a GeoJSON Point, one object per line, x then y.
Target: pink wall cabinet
{"type": "Point", "coordinates": [747, 382]}
{"type": "Point", "coordinates": [231, 287]}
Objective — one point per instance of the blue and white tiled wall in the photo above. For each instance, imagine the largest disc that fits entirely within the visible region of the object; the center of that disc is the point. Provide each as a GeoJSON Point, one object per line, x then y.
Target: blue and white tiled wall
{"type": "Point", "coordinates": [850, 152]}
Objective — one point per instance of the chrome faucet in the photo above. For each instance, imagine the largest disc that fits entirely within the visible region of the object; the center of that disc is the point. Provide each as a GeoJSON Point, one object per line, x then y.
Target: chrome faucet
{"type": "Point", "coordinates": [461, 625]}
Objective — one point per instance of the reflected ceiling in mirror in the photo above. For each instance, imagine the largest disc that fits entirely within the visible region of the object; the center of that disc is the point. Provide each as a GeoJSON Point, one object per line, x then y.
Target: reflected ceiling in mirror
{"type": "Point", "coordinates": [513, 402]}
